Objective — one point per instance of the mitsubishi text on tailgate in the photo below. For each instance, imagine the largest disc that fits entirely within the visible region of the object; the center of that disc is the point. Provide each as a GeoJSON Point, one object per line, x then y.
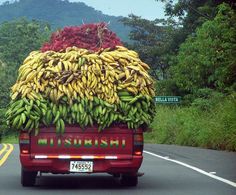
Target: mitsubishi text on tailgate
{"type": "Point", "coordinates": [115, 150]}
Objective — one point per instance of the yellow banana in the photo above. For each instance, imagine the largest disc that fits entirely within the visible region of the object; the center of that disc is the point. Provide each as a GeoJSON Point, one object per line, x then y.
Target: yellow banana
{"type": "Point", "coordinates": [121, 48]}
{"type": "Point", "coordinates": [104, 58]}
{"type": "Point", "coordinates": [40, 73]}
{"type": "Point", "coordinates": [145, 65]}
{"type": "Point", "coordinates": [93, 83]}
{"type": "Point", "coordinates": [132, 90]}
{"type": "Point", "coordinates": [70, 89]}
{"type": "Point", "coordinates": [75, 95]}
{"type": "Point", "coordinates": [25, 73]}
{"type": "Point", "coordinates": [66, 65]}
{"type": "Point", "coordinates": [29, 96]}
{"type": "Point", "coordinates": [31, 76]}
{"type": "Point", "coordinates": [80, 84]}
{"type": "Point", "coordinates": [70, 78]}
{"type": "Point", "coordinates": [133, 54]}
{"type": "Point", "coordinates": [127, 73]}
{"type": "Point", "coordinates": [84, 80]}
{"type": "Point", "coordinates": [90, 56]}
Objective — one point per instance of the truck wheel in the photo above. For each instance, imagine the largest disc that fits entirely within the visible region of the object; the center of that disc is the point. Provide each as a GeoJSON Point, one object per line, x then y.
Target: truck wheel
{"type": "Point", "coordinates": [127, 180]}
{"type": "Point", "coordinates": [28, 178]}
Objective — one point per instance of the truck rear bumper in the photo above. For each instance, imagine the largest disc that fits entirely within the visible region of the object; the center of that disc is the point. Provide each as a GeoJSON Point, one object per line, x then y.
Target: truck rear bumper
{"type": "Point", "coordinates": [63, 165]}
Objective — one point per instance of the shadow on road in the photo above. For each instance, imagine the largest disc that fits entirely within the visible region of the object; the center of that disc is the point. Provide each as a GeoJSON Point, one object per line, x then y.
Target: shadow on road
{"type": "Point", "coordinates": [48, 181]}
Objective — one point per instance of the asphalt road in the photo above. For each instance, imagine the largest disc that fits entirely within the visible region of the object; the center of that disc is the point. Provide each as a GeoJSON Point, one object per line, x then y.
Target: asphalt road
{"type": "Point", "coordinates": [170, 170]}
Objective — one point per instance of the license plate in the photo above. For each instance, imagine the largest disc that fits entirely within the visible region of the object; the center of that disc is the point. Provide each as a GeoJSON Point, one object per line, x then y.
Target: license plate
{"type": "Point", "coordinates": [81, 166]}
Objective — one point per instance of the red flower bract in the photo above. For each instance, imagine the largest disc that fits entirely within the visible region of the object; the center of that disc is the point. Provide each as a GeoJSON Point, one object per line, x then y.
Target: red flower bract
{"type": "Point", "coordinates": [88, 36]}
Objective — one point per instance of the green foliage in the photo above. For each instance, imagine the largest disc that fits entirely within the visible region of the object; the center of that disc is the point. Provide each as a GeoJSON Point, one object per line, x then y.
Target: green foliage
{"type": "Point", "coordinates": [194, 126]}
{"type": "Point", "coordinates": [206, 99]}
{"type": "Point", "coordinates": [167, 86]}
{"type": "Point", "coordinates": [197, 65]}
{"type": "Point", "coordinates": [208, 58]}
{"type": "Point", "coordinates": [60, 13]}
{"type": "Point", "coordinates": [17, 39]}
{"type": "Point", "coordinates": [6, 134]}
{"type": "Point", "coordinates": [151, 40]}
{"type": "Point", "coordinates": [3, 125]}
{"type": "Point", "coordinates": [188, 16]}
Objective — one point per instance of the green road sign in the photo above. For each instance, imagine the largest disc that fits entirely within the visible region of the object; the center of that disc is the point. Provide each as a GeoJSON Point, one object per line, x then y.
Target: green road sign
{"type": "Point", "coordinates": [167, 99]}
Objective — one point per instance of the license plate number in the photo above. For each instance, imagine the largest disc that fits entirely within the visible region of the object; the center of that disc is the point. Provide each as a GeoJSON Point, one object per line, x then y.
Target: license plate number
{"type": "Point", "coordinates": [81, 166]}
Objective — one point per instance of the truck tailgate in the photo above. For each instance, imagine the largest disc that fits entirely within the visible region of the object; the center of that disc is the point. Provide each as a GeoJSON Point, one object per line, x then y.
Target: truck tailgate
{"type": "Point", "coordinates": [76, 143]}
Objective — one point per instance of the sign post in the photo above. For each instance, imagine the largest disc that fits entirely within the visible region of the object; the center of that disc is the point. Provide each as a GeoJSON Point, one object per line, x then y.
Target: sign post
{"type": "Point", "coordinates": [167, 99]}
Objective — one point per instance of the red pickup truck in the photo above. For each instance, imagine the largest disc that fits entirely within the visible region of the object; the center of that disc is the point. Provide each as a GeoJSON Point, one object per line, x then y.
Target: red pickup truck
{"type": "Point", "coordinates": [116, 150]}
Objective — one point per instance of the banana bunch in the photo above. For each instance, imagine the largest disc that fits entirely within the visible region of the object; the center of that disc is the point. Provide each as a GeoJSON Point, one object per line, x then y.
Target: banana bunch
{"type": "Point", "coordinates": [80, 73]}
{"type": "Point", "coordinates": [82, 87]}
{"type": "Point", "coordinates": [26, 114]}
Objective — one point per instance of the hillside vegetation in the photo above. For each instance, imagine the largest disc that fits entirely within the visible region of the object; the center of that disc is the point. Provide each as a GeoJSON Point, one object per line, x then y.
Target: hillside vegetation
{"type": "Point", "coordinates": [59, 13]}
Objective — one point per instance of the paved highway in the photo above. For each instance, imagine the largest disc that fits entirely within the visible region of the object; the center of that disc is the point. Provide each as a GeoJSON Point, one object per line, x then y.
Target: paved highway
{"type": "Point", "coordinates": [169, 170]}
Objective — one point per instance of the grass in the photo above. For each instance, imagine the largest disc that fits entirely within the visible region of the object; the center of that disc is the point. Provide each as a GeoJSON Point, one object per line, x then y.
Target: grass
{"type": "Point", "coordinates": [209, 127]}
{"type": "Point", "coordinates": [10, 139]}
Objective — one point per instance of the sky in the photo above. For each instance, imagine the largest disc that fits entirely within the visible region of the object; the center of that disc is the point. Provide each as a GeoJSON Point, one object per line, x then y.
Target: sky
{"type": "Point", "coordinates": [148, 9]}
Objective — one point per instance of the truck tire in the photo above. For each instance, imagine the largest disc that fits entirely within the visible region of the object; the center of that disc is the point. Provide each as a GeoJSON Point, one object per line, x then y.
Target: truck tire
{"type": "Point", "coordinates": [128, 180]}
{"type": "Point", "coordinates": [28, 178]}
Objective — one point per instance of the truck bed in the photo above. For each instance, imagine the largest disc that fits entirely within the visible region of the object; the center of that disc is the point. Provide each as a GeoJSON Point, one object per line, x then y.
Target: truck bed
{"type": "Point", "coordinates": [113, 150]}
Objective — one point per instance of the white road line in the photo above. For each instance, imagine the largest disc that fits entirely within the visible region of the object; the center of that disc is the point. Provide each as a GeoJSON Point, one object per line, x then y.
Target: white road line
{"type": "Point", "coordinates": [195, 169]}
{"type": "Point", "coordinates": [212, 173]}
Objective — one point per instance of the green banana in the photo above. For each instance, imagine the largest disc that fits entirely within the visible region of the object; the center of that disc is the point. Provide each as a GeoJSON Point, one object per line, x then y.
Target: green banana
{"type": "Point", "coordinates": [44, 106]}
{"type": "Point", "coordinates": [73, 114]}
{"type": "Point", "coordinates": [48, 117]}
{"type": "Point", "coordinates": [32, 126]}
{"type": "Point", "coordinates": [64, 111]}
{"type": "Point", "coordinates": [123, 93]}
{"type": "Point", "coordinates": [108, 105]}
{"type": "Point", "coordinates": [126, 98]}
{"type": "Point", "coordinates": [86, 120]}
{"type": "Point", "coordinates": [33, 117]}
{"type": "Point", "coordinates": [96, 100]}
{"type": "Point", "coordinates": [58, 127]}
{"type": "Point", "coordinates": [18, 103]}
{"type": "Point", "coordinates": [26, 101]}
{"type": "Point", "coordinates": [38, 102]}
{"type": "Point", "coordinates": [90, 120]}
{"type": "Point", "coordinates": [62, 126]}
{"type": "Point", "coordinates": [28, 124]}
{"type": "Point", "coordinates": [54, 109]}
{"type": "Point", "coordinates": [36, 128]}
{"type": "Point", "coordinates": [80, 108]}
{"type": "Point", "coordinates": [16, 121]}
{"type": "Point", "coordinates": [20, 122]}
{"type": "Point", "coordinates": [78, 119]}
{"type": "Point", "coordinates": [37, 109]}
{"type": "Point", "coordinates": [23, 117]}
{"type": "Point", "coordinates": [56, 117]}
{"type": "Point", "coordinates": [20, 110]}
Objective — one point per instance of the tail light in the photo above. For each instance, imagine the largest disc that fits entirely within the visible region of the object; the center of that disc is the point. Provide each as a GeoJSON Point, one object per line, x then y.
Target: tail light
{"type": "Point", "coordinates": [24, 141]}
{"type": "Point", "coordinates": [138, 144]}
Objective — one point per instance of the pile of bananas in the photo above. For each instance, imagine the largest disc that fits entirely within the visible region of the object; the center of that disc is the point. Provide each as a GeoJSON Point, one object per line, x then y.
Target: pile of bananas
{"type": "Point", "coordinates": [82, 87]}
